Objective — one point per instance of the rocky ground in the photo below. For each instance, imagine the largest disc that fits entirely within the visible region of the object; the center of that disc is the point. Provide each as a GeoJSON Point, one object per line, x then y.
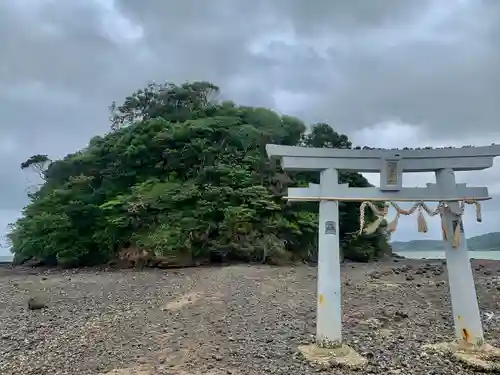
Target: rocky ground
{"type": "Point", "coordinates": [227, 320]}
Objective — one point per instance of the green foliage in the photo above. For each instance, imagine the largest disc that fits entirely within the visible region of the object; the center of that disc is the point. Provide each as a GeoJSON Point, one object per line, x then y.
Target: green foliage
{"type": "Point", "coordinates": [37, 159]}
{"type": "Point", "coordinates": [37, 163]}
{"type": "Point", "coordinates": [183, 176]}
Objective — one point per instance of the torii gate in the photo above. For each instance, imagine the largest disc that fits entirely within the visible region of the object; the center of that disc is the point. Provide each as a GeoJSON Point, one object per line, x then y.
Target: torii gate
{"type": "Point", "coordinates": [390, 164]}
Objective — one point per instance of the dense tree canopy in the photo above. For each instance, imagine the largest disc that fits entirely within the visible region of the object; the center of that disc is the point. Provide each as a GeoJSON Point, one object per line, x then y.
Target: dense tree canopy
{"type": "Point", "coordinates": [183, 177]}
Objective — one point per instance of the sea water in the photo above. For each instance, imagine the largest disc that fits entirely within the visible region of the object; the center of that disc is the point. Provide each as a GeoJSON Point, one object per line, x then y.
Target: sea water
{"type": "Point", "coordinates": [490, 255]}
{"type": "Point", "coordinates": [6, 258]}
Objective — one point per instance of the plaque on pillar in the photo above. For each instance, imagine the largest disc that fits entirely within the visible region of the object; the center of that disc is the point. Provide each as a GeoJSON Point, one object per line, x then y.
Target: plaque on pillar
{"type": "Point", "coordinates": [331, 227]}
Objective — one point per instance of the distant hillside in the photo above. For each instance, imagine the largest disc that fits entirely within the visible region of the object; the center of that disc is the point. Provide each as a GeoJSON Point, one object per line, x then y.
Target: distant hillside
{"type": "Point", "coordinates": [485, 242]}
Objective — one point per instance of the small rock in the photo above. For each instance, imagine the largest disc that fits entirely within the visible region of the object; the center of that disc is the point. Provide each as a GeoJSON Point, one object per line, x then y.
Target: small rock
{"type": "Point", "coordinates": [400, 315]}
{"type": "Point", "coordinates": [35, 303]}
{"type": "Point", "coordinates": [373, 323]}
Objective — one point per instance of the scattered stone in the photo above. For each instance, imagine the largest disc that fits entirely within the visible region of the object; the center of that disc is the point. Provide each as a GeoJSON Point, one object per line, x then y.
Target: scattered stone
{"type": "Point", "coordinates": [32, 263]}
{"type": "Point", "coordinates": [400, 315]}
{"type": "Point", "coordinates": [377, 274]}
{"type": "Point", "coordinates": [372, 323]}
{"type": "Point", "coordinates": [402, 269]}
{"type": "Point", "coordinates": [36, 303]}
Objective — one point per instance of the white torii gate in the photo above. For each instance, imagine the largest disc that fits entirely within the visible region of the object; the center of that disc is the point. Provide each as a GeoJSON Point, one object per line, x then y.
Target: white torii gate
{"type": "Point", "coordinates": [390, 164]}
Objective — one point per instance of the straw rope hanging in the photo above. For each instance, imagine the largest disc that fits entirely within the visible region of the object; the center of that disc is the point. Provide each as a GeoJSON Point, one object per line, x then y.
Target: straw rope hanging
{"type": "Point", "coordinates": [421, 222]}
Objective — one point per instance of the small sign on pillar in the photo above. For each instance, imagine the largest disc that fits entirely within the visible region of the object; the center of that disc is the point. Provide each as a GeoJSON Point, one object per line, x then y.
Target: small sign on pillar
{"type": "Point", "coordinates": [331, 227]}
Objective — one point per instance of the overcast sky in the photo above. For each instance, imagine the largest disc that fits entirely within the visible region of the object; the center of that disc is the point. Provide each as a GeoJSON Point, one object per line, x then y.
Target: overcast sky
{"type": "Point", "coordinates": [387, 73]}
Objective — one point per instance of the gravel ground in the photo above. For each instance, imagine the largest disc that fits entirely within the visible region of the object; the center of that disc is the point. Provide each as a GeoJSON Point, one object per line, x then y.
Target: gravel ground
{"type": "Point", "coordinates": [228, 320]}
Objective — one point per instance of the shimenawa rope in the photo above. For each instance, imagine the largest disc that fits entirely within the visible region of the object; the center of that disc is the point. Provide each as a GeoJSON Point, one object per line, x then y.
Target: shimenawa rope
{"type": "Point", "coordinates": [421, 223]}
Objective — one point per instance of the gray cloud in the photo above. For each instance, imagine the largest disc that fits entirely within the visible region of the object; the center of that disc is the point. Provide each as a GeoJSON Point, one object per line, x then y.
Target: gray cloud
{"type": "Point", "coordinates": [430, 64]}
{"type": "Point", "coordinates": [436, 67]}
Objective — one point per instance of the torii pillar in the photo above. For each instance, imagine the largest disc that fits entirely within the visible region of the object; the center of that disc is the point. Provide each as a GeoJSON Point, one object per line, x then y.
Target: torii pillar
{"type": "Point", "coordinates": [469, 345]}
{"type": "Point", "coordinates": [329, 310]}
{"type": "Point", "coordinates": [466, 315]}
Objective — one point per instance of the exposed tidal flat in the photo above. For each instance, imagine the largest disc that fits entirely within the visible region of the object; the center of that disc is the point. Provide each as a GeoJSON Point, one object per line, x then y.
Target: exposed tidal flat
{"type": "Point", "coordinates": [235, 319]}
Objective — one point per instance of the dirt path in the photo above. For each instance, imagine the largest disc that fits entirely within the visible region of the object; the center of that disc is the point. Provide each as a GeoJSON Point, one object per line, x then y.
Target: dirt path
{"type": "Point", "coordinates": [227, 320]}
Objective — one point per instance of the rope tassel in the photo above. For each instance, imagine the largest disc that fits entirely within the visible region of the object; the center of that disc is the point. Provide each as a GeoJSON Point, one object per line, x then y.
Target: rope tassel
{"type": "Point", "coordinates": [443, 229]}
{"type": "Point", "coordinates": [421, 223]}
{"type": "Point", "coordinates": [456, 235]}
{"type": "Point", "coordinates": [479, 216]}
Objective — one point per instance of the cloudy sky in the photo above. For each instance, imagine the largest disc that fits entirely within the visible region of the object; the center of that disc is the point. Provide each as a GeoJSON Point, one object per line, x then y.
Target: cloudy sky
{"type": "Point", "coordinates": [388, 73]}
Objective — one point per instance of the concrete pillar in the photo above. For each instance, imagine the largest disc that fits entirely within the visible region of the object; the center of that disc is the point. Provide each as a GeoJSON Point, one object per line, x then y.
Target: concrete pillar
{"type": "Point", "coordinates": [468, 325]}
{"type": "Point", "coordinates": [329, 311]}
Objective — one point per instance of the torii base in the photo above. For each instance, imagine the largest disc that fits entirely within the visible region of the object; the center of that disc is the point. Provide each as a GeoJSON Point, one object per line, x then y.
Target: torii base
{"type": "Point", "coordinates": [484, 358]}
{"type": "Point", "coordinates": [342, 356]}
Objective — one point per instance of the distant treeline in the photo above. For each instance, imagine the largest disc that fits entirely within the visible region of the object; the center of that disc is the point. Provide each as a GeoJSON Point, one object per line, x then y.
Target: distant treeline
{"type": "Point", "coordinates": [485, 242]}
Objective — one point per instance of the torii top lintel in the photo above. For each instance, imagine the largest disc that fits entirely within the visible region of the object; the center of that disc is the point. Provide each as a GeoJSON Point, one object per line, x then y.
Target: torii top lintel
{"type": "Point", "coordinates": [422, 160]}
